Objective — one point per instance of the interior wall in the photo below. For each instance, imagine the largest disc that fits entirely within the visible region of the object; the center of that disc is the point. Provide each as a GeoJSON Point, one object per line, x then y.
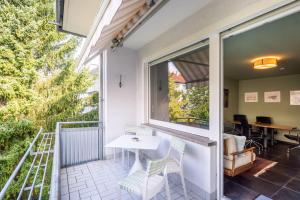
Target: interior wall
{"type": "Point", "coordinates": [233, 98]}
{"type": "Point", "coordinates": [282, 113]}
{"type": "Point", "coordinates": [120, 103]}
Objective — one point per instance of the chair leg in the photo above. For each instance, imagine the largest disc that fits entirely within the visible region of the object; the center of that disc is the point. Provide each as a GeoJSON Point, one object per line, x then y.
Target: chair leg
{"type": "Point", "coordinates": [120, 194]}
{"type": "Point", "coordinates": [167, 187]}
{"type": "Point", "coordinates": [123, 157]}
{"type": "Point", "coordinates": [296, 147]}
{"type": "Point", "coordinates": [183, 185]}
{"type": "Point", "coordinates": [114, 154]}
{"type": "Point", "coordinates": [128, 158]}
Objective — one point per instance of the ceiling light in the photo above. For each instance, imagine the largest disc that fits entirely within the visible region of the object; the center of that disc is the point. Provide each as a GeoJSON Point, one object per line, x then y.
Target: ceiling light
{"type": "Point", "coordinates": [265, 63]}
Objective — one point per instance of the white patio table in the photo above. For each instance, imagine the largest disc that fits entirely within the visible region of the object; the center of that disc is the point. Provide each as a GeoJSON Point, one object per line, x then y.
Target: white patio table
{"type": "Point", "coordinates": [142, 143]}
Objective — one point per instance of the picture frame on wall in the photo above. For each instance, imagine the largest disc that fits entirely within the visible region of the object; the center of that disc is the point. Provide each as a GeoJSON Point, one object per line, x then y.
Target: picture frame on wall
{"type": "Point", "coordinates": [251, 97]}
{"type": "Point", "coordinates": [226, 98]}
{"type": "Point", "coordinates": [272, 97]}
{"type": "Point", "coordinates": [295, 97]}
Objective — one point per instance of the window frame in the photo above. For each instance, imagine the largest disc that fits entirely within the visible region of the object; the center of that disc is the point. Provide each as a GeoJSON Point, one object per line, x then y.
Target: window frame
{"type": "Point", "coordinates": [174, 54]}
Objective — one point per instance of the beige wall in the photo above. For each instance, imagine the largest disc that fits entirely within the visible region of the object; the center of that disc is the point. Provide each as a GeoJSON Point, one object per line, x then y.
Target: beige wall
{"type": "Point", "coordinates": [233, 106]}
{"type": "Point", "coordinates": [282, 113]}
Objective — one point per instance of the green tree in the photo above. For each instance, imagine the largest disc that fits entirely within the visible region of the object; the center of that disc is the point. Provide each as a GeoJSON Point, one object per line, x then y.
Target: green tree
{"type": "Point", "coordinates": [199, 103]}
{"type": "Point", "coordinates": [177, 102]}
{"type": "Point", "coordinates": [29, 47]}
{"type": "Point", "coordinates": [38, 83]}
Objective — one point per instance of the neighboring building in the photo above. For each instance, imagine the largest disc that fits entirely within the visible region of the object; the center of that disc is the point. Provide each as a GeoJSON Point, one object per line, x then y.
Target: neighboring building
{"type": "Point", "coordinates": [179, 81]}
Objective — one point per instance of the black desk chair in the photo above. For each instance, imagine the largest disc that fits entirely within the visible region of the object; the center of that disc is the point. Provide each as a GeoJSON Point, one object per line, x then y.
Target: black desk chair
{"type": "Point", "coordinates": [253, 135]}
{"type": "Point", "coordinates": [266, 120]}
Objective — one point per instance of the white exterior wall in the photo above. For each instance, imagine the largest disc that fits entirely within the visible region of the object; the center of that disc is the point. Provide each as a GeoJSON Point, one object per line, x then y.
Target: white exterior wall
{"type": "Point", "coordinates": [206, 168]}
{"type": "Point", "coordinates": [129, 105]}
{"type": "Point", "coordinates": [119, 103]}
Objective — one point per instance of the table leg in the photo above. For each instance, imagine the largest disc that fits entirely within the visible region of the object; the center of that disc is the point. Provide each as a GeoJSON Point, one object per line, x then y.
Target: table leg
{"type": "Point", "coordinates": [266, 138]}
{"type": "Point", "coordinates": [115, 154]}
{"type": "Point", "coordinates": [137, 163]}
{"type": "Point", "coordinates": [272, 137]}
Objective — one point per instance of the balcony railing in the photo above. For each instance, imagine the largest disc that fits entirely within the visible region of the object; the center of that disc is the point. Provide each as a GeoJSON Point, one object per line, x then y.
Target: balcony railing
{"type": "Point", "coordinates": [72, 143]}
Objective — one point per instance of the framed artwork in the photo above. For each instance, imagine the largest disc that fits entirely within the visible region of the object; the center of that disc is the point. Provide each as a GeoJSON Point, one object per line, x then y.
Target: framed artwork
{"type": "Point", "coordinates": [251, 97]}
{"type": "Point", "coordinates": [272, 97]}
{"type": "Point", "coordinates": [295, 97]}
{"type": "Point", "coordinates": [226, 98]}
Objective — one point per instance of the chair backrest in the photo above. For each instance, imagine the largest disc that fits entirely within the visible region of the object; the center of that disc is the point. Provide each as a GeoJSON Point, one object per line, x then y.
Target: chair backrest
{"type": "Point", "coordinates": [144, 131]}
{"type": "Point", "coordinates": [155, 167]}
{"type": "Point", "coordinates": [178, 146]}
{"type": "Point", "coordinates": [244, 127]}
{"type": "Point", "coordinates": [130, 129]}
{"type": "Point", "coordinates": [263, 119]}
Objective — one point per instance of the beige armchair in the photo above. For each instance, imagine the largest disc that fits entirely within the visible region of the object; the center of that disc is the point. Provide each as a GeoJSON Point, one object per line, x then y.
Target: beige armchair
{"type": "Point", "coordinates": [237, 159]}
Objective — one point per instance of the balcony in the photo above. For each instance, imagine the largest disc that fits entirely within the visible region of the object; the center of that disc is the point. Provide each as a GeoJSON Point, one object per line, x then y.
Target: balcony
{"type": "Point", "coordinates": [69, 164]}
{"type": "Point", "coordinates": [99, 180]}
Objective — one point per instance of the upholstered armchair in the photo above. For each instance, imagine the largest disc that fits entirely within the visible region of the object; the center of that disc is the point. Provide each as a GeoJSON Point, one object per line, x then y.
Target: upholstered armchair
{"type": "Point", "coordinates": [237, 159]}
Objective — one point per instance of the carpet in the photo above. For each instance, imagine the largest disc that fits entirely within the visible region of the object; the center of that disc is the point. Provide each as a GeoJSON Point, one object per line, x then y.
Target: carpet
{"type": "Point", "coordinates": [260, 166]}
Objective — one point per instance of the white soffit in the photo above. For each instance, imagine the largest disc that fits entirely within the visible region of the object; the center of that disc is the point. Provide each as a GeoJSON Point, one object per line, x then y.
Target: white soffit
{"type": "Point", "coordinates": [79, 15]}
{"type": "Point", "coordinates": [168, 16]}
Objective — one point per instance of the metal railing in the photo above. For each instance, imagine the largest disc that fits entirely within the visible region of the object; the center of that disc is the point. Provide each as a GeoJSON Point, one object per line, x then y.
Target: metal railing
{"type": "Point", "coordinates": [55, 175]}
{"type": "Point", "coordinates": [75, 143]}
{"type": "Point", "coordinates": [80, 142]}
{"type": "Point", "coordinates": [34, 180]}
{"type": "Point", "coordinates": [71, 141]}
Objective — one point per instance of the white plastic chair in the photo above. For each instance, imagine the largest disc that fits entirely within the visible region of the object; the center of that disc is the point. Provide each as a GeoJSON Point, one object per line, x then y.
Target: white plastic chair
{"type": "Point", "coordinates": [147, 184]}
{"type": "Point", "coordinates": [175, 163]}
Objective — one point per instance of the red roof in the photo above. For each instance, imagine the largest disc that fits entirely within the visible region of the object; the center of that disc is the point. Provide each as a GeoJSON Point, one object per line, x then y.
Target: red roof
{"type": "Point", "coordinates": [178, 78]}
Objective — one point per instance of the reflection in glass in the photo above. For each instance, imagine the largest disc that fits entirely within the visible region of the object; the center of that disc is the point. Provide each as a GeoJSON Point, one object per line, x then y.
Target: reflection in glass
{"type": "Point", "coordinates": [179, 89]}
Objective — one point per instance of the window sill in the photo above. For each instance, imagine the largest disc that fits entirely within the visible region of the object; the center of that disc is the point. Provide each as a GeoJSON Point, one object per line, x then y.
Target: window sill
{"type": "Point", "coordinates": [205, 141]}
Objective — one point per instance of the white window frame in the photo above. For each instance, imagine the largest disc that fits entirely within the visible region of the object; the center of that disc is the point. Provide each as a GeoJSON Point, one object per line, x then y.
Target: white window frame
{"type": "Point", "coordinates": [173, 54]}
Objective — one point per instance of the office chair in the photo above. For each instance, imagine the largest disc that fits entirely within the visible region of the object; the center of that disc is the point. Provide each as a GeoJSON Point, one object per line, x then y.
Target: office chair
{"type": "Point", "coordinates": [266, 120]}
{"type": "Point", "coordinates": [253, 135]}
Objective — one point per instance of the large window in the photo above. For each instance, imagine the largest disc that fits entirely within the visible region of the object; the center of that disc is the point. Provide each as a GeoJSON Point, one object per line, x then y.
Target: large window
{"type": "Point", "coordinates": [179, 89]}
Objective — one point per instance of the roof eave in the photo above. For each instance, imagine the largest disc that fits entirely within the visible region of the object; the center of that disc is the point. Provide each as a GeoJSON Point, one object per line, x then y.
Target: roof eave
{"type": "Point", "coordinates": [60, 18]}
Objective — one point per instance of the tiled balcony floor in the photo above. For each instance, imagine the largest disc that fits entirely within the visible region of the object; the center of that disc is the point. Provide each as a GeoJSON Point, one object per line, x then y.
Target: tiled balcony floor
{"type": "Point", "coordinates": [98, 180]}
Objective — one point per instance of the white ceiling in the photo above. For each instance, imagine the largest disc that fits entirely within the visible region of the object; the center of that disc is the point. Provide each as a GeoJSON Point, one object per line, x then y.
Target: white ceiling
{"type": "Point", "coordinates": [279, 38]}
{"type": "Point", "coordinates": [79, 15]}
{"type": "Point", "coordinates": [168, 16]}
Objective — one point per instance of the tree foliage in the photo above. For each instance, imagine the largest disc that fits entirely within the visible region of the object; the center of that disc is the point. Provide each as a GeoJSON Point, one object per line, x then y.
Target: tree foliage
{"type": "Point", "coordinates": [199, 102]}
{"type": "Point", "coordinates": [177, 102]}
{"type": "Point", "coordinates": [38, 82]}
{"type": "Point", "coordinates": [190, 105]}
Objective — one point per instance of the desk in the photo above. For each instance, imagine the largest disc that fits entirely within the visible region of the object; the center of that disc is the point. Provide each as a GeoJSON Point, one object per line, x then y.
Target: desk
{"type": "Point", "coordinates": [144, 143]}
{"type": "Point", "coordinates": [272, 127]}
{"type": "Point", "coordinates": [265, 127]}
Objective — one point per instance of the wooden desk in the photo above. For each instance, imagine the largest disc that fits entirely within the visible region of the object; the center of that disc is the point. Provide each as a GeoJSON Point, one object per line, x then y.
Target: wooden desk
{"type": "Point", "coordinates": [265, 127]}
{"type": "Point", "coordinates": [272, 127]}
